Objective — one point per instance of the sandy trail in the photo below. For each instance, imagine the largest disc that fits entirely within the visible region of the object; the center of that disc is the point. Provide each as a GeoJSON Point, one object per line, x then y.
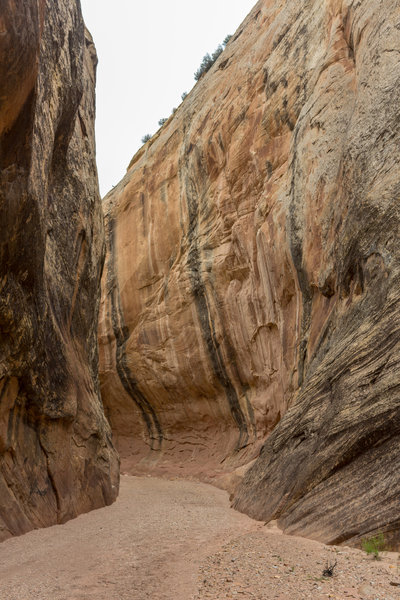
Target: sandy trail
{"type": "Point", "coordinates": [179, 540]}
{"type": "Point", "coordinates": [148, 544]}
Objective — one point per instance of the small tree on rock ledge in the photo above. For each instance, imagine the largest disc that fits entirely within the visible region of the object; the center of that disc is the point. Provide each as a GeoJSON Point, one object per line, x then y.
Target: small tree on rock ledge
{"type": "Point", "coordinates": [146, 138]}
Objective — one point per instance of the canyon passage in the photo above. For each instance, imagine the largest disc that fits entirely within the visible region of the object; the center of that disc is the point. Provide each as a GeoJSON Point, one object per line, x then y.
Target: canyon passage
{"type": "Point", "coordinates": [230, 312]}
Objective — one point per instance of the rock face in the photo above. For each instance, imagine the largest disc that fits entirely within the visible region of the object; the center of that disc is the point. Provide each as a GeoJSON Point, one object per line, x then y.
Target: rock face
{"type": "Point", "coordinates": [252, 280]}
{"type": "Point", "coordinates": [56, 456]}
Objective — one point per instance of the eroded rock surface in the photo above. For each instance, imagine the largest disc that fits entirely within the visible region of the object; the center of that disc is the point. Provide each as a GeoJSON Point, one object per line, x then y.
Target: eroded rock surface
{"type": "Point", "coordinates": [56, 455]}
{"type": "Point", "coordinates": [252, 279]}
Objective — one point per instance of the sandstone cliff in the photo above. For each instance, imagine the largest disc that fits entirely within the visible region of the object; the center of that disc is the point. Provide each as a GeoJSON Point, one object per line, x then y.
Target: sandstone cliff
{"type": "Point", "coordinates": [56, 454]}
{"type": "Point", "coordinates": [252, 278]}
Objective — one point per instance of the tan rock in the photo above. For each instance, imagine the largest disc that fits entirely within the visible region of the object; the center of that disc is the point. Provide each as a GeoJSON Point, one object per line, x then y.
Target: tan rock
{"type": "Point", "coordinates": [56, 456]}
{"type": "Point", "coordinates": [252, 282]}
{"type": "Point", "coordinates": [366, 591]}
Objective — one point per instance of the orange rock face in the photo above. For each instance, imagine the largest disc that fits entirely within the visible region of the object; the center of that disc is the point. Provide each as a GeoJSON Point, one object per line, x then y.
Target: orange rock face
{"type": "Point", "coordinates": [56, 455]}
{"type": "Point", "coordinates": [251, 284]}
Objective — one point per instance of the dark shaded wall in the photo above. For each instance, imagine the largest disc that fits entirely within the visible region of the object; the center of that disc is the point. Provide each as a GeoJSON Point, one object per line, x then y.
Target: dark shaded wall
{"type": "Point", "coordinates": [56, 455]}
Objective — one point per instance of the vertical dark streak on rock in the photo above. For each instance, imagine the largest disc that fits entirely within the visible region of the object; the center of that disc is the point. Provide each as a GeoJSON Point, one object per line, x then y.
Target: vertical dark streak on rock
{"type": "Point", "coordinates": [4, 387]}
{"type": "Point", "coordinates": [10, 427]}
{"type": "Point", "coordinates": [232, 357]}
{"type": "Point", "coordinates": [51, 479]}
{"type": "Point", "coordinates": [121, 333]}
{"type": "Point", "coordinates": [251, 414]}
{"type": "Point", "coordinates": [295, 216]}
{"type": "Point", "coordinates": [296, 249]}
{"type": "Point", "coordinates": [205, 318]}
{"type": "Point", "coordinates": [143, 205]}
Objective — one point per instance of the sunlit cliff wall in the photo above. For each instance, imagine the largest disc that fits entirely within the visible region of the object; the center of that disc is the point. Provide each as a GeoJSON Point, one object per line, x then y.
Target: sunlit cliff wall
{"type": "Point", "coordinates": [252, 278]}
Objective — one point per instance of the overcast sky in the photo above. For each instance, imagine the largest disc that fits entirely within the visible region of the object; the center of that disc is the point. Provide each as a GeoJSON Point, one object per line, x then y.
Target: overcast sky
{"type": "Point", "coordinates": [148, 51]}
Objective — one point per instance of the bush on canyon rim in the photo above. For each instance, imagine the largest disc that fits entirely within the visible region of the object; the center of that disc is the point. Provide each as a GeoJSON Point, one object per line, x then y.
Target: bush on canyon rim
{"type": "Point", "coordinates": [208, 60]}
{"type": "Point", "coordinates": [146, 138]}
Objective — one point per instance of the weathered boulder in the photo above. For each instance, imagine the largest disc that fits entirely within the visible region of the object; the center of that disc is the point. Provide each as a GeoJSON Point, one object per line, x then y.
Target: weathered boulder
{"type": "Point", "coordinates": [252, 280]}
{"type": "Point", "coordinates": [56, 455]}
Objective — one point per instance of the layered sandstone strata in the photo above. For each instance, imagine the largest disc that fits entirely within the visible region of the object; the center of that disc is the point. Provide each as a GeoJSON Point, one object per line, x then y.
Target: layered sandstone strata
{"type": "Point", "coordinates": [56, 455]}
{"type": "Point", "coordinates": [252, 279]}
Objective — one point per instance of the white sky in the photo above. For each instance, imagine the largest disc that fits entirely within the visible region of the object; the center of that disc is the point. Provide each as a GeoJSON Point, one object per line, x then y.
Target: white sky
{"type": "Point", "coordinates": [148, 51]}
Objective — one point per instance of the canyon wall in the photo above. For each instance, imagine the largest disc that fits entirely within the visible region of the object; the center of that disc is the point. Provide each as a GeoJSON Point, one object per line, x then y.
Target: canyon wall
{"type": "Point", "coordinates": [56, 455]}
{"type": "Point", "coordinates": [251, 288]}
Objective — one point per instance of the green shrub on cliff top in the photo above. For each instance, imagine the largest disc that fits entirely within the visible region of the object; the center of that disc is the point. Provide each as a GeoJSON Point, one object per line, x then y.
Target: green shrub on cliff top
{"type": "Point", "coordinates": [208, 60]}
{"type": "Point", "coordinates": [146, 138]}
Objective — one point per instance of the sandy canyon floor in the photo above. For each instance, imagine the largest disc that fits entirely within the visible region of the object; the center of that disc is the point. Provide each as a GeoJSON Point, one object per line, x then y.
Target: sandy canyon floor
{"type": "Point", "coordinates": [179, 540]}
